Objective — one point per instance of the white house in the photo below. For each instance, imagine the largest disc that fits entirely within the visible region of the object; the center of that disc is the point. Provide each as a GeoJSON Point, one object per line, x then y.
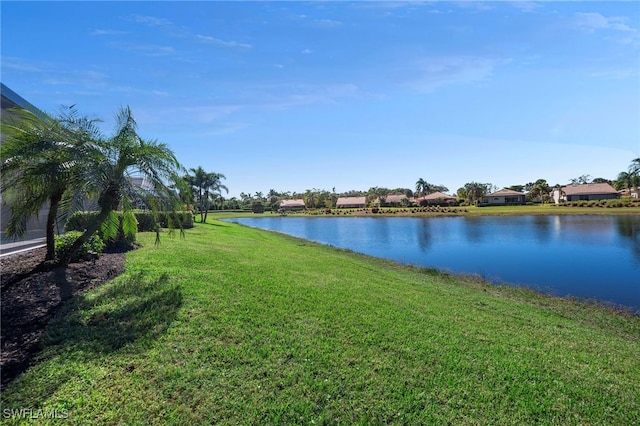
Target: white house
{"type": "Point", "coordinates": [587, 192]}
{"type": "Point", "coordinates": [503, 197]}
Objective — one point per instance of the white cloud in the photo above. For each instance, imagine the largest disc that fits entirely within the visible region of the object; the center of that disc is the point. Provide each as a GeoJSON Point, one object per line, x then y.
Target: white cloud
{"type": "Point", "coordinates": [306, 51]}
{"type": "Point", "coordinates": [291, 96]}
{"type": "Point", "coordinates": [391, 4]}
{"type": "Point", "coordinates": [219, 42]}
{"type": "Point", "coordinates": [220, 129]}
{"type": "Point", "coordinates": [328, 22]}
{"type": "Point", "coordinates": [76, 78]}
{"type": "Point", "coordinates": [619, 74]}
{"type": "Point", "coordinates": [445, 71]}
{"type": "Point", "coordinates": [207, 114]}
{"type": "Point", "coordinates": [525, 6]}
{"type": "Point", "coordinates": [145, 49]}
{"type": "Point", "coordinates": [19, 64]}
{"type": "Point", "coordinates": [591, 22]}
{"type": "Point", "coordinates": [151, 21]}
{"type": "Point", "coordinates": [154, 114]}
{"type": "Point", "coordinates": [475, 5]}
{"type": "Point", "coordinates": [284, 96]}
{"type": "Point", "coordinates": [98, 32]}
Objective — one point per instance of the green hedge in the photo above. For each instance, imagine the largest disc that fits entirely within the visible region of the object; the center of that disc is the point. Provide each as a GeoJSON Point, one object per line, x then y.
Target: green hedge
{"type": "Point", "coordinates": [80, 220]}
{"type": "Point", "coordinates": [64, 242]}
{"type": "Point", "coordinates": [607, 203]}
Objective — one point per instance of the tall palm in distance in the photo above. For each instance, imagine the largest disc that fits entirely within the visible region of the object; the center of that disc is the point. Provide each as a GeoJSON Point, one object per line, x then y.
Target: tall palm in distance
{"type": "Point", "coordinates": [199, 182]}
{"type": "Point", "coordinates": [625, 180]}
{"type": "Point", "coordinates": [634, 168]}
{"type": "Point", "coordinates": [634, 172]}
{"type": "Point", "coordinates": [422, 186]}
{"type": "Point", "coordinates": [206, 186]}
{"type": "Point", "coordinates": [217, 187]}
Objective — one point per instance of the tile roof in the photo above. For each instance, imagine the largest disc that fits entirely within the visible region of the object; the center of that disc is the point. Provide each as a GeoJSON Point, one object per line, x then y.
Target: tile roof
{"type": "Point", "coordinates": [505, 193]}
{"type": "Point", "coordinates": [351, 201]}
{"type": "Point", "coordinates": [438, 195]}
{"type": "Point", "coordinates": [292, 203]}
{"type": "Point", "coordinates": [394, 198]}
{"type": "Point", "coordinates": [589, 189]}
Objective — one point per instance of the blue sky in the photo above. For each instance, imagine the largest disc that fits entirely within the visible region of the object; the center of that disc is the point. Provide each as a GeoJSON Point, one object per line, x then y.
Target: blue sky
{"type": "Point", "coordinates": [347, 95]}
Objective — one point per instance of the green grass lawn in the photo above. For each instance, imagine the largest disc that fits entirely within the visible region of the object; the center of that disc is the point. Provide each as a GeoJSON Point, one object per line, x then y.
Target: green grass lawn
{"type": "Point", "coordinates": [233, 325]}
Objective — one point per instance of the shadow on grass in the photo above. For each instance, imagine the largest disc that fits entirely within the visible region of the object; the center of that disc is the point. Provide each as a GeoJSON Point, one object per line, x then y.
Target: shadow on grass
{"type": "Point", "coordinates": [219, 224]}
{"type": "Point", "coordinates": [128, 310]}
{"type": "Point", "coordinates": [125, 317]}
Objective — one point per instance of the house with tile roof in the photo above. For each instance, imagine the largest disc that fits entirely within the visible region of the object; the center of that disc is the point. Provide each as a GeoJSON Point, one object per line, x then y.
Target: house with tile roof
{"type": "Point", "coordinates": [439, 198]}
{"type": "Point", "coordinates": [351, 202]}
{"type": "Point", "coordinates": [297, 204]}
{"type": "Point", "coordinates": [503, 197]}
{"type": "Point", "coordinates": [586, 192]}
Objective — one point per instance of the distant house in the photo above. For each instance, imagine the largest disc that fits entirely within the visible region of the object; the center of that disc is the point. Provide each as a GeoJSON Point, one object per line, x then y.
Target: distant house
{"type": "Point", "coordinates": [351, 202]}
{"type": "Point", "coordinates": [587, 192]}
{"type": "Point", "coordinates": [439, 198]}
{"type": "Point", "coordinates": [503, 197]}
{"type": "Point", "coordinates": [292, 204]}
{"type": "Point", "coordinates": [138, 184]}
{"type": "Point", "coordinates": [630, 192]}
{"type": "Point", "coordinates": [392, 200]}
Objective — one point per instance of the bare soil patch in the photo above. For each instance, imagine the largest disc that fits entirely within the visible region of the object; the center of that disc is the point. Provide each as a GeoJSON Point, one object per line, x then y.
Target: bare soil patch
{"type": "Point", "coordinates": [30, 300]}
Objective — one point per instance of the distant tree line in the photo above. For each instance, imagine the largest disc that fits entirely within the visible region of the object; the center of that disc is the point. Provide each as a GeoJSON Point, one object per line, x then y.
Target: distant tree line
{"type": "Point", "coordinates": [471, 193]}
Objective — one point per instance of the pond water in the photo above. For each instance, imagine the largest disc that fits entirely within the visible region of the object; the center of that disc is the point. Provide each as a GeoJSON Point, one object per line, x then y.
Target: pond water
{"type": "Point", "coordinates": [595, 256]}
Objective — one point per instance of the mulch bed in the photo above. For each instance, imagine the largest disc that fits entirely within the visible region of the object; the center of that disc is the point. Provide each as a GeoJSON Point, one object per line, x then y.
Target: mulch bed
{"type": "Point", "coordinates": [30, 300]}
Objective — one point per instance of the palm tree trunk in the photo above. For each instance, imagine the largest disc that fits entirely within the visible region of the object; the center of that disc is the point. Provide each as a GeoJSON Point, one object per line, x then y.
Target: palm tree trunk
{"type": "Point", "coordinates": [54, 203]}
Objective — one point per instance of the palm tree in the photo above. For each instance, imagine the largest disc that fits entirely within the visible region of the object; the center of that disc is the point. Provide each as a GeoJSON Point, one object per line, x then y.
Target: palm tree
{"type": "Point", "coordinates": [634, 168]}
{"type": "Point", "coordinates": [624, 181]}
{"type": "Point", "coordinates": [122, 155]}
{"type": "Point", "coordinates": [540, 189]}
{"type": "Point", "coordinates": [421, 186]}
{"type": "Point", "coordinates": [213, 189]}
{"type": "Point", "coordinates": [42, 160]}
{"type": "Point", "coordinates": [199, 181]}
{"type": "Point", "coordinates": [378, 195]}
{"type": "Point", "coordinates": [474, 191]}
{"type": "Point", "coordinates": [311, 198]}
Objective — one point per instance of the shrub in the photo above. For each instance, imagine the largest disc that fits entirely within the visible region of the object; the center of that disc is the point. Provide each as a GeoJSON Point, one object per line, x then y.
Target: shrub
{"type": "Point", "coordinates": [257, 207]}
{"type": "Point", "coordinates": [64, 242]}
{"type": "Point", "coordinates": [80, 220]}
